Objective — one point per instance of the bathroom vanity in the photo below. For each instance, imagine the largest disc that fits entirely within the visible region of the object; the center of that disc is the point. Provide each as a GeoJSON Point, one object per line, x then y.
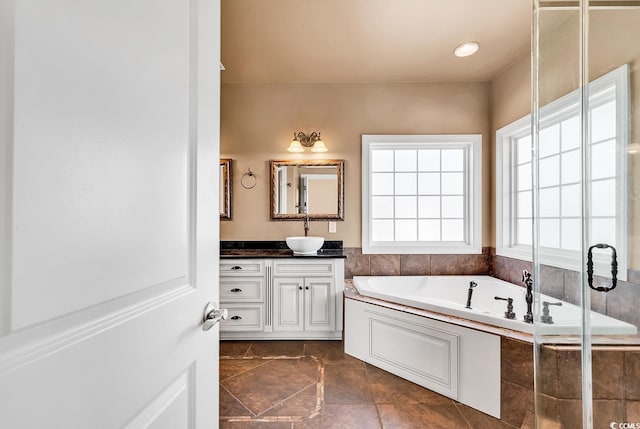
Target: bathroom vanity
{"type": "Point", "coordinates": [271, 294]}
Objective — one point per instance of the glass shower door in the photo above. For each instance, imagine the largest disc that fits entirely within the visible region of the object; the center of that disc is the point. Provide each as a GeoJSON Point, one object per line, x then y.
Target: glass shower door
{"type": "Point", "coordinates": [585, 68]}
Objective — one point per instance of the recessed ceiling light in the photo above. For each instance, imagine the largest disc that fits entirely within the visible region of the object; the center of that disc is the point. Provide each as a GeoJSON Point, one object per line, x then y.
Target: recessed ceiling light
{"type": "Point", "coordinates": [465, 49]}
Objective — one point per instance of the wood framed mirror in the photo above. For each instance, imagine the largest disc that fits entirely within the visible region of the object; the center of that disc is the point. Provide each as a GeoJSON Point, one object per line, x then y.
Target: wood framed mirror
{"type": "Point", "coordinates": [225, 189]}
{"type": "Point", "coordinates": [313, 188]}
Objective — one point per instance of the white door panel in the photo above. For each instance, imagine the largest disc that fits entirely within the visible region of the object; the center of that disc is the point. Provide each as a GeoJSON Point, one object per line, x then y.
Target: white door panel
{"type": "Point", "coordinates": [170, 409]}
{"type": "Point", "coordinates": [109, 138]}
{"type": "Point", "coordinates": [101, 153]}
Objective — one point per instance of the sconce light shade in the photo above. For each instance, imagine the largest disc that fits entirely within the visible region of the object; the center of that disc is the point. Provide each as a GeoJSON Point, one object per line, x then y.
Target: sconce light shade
{"type": "Point", "coordinates": [301, 141]}
{"type": "Point", "coordinates": [319, 146]}
{"type": "Point", "coordinates": [295, 146]}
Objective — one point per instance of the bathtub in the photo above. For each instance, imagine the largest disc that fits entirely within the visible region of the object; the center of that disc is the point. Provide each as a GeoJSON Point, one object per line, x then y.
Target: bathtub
{"type": "Point", "coordinates": [448, 295]}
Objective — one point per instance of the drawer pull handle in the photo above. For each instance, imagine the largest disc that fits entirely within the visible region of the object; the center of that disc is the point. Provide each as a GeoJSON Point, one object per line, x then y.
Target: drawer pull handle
{"type": "Point", "coordinates": [235, 289]}
{"type": "Point", "coordinates": [236, 267]}
{"type": "Point", "coordinates": [236, 317]}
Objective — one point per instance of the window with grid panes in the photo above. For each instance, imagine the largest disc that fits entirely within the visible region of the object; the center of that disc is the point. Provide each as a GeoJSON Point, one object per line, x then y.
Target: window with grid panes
{"type": "Point", "coordinates": [421, 194]}
{"type": "Point", "coordinates": [560, 178]}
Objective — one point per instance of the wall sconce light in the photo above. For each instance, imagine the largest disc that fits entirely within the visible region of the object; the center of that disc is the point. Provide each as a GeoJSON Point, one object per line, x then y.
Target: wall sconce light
{"type": "Point", "coordinates": [301, 141]}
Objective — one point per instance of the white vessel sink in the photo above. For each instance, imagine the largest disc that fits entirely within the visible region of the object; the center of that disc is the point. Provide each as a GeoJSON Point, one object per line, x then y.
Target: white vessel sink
{"type": "Point", "coordinates": [305, 245]}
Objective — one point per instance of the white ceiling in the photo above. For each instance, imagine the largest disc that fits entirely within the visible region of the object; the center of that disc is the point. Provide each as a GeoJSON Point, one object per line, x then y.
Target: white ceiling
{"type": "Point", "coordinates": [370, 40]}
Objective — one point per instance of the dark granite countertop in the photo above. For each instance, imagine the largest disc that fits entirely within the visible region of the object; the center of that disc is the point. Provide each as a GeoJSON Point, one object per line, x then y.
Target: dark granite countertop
{"type": "Point", "coordinates": [275, 249]}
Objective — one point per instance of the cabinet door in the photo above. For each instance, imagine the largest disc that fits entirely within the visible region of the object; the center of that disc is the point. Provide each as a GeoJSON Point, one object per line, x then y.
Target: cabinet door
{"type": "Point", "coordinates": [288, 296]}
{"type": "Point", "coordinates": [319, 303]}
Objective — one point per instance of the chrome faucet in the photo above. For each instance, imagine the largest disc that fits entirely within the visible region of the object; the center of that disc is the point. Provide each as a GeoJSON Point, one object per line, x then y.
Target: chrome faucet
{"type": "Point", "coordinates": [528, 281]}
{"type": "Point", "coordinates": [306, 226]}
{"type": "Point", "coordinates": [472, 284]}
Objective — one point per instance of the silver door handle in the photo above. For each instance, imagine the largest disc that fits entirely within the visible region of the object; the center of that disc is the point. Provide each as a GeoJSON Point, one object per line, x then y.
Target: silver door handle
{"type": "Point", "coordinates": [213, 315]}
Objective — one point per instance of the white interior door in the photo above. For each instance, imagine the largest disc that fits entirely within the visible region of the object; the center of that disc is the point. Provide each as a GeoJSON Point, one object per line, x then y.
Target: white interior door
{"type": "Point", "coordinates": [109, 152]}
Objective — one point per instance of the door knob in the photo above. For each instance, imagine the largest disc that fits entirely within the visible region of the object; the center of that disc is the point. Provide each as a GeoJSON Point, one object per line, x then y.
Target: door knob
{"type": "Point", "coordinates": [213, 315]}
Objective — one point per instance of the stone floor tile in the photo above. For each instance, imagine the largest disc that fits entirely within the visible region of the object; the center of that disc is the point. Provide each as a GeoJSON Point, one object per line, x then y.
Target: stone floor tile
{"type": "Point", "coordinates": [234, 348]}
{"type": "Point", "coordinates": [328, 352]}
{"type": "Point", "coordinates": [276, 348]}
{"type": "Point", "coordinates": [338, 416]}
{"type": "Point", "coordinates": [233, 367]}
{"type": "Point", "coordinates": [346, 384]}
{"type": "Point", "coordinates": [390, 389]}
{"type": "Point", "coordinates": [255, 425]}
{"type": "Point", "coordinates": [262, 388]}
{"type": "Point", "coordinates": [480, 420]}
{"type": "Point", "coordinates": [230, 406]}
{"type": "Point", "coordinates": [302, 405]}
{"type": "Point", "coordinates": [421, 416]}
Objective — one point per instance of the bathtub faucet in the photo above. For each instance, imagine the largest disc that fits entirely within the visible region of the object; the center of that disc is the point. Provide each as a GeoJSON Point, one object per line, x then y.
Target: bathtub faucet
{"type": "Point", "coordinates": [509, 314]}
{"type": "Point", "coordinates": [472, 284]}
{"type": "Point", "coordinates": [528, 281]}
{"type": "Point", "coordinates": [546, 317]}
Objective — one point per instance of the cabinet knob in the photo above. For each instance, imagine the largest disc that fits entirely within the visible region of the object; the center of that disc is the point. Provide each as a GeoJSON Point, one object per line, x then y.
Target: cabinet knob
{"type": "Point", "coordinates": [306, 287]}
{"type": "Point", "coordinates": [300, 287]}
{"type": "Point", "coordinates": [235, 289]}
{"type": "Point", "coordinates": [235, 317]}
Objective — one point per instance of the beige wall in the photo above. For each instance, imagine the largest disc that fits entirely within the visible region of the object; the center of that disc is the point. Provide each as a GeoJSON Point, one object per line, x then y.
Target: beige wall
{"type": "Point", "coordinates": [258, 121]}
{"type": "Point", "coordinates": [510, 101]}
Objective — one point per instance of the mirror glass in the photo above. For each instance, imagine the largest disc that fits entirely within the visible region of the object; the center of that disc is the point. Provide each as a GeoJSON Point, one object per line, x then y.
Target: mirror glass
{"type": "Point", "coordinates": [225, 189]}
{"type": "Point", "coordinates": [307, 187]}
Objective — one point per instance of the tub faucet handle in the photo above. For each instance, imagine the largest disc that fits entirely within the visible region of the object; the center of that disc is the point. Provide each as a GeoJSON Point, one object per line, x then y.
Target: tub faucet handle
{"type": "Point", "coordinates": [528, 282]}
{"type": "Point", "coordinates": [546, 317]}
{"type": "Point", "coordinates": [472, 284]}
{"type": "Point", "coordinates": [509, 314]}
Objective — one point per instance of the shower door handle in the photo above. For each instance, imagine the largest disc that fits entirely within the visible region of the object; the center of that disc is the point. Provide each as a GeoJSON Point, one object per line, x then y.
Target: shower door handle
{"type": "Point", "coordinates": [614, 267]}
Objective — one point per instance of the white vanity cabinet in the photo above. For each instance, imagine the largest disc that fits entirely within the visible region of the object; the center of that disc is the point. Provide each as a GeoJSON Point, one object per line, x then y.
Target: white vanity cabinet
{"type": "Point", "coordinates": [284, 298]}
{"type": "Point", "coordinates": [304, 304]}
{"type": "Point", "coordinates": [242, 292]}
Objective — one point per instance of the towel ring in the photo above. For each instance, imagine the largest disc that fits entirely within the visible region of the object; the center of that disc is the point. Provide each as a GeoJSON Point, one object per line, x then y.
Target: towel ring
{"type": "Point", "coordinates": [248, 180]}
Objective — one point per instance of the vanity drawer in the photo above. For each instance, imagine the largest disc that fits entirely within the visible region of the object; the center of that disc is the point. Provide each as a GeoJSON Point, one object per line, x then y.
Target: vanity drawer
{"type": "Point", "coordinates": [244, 267]}
{"type": "Point", "coordinates": [243, 318]}
{"type": "Point", "coordinates": [242, 289]}
{"type": "Point", "coordinates": [303, 268]}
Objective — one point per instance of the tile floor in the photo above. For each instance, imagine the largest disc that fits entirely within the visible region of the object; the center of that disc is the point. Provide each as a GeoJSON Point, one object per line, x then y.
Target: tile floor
{"type": "Point", "coordinates": [314, 385]}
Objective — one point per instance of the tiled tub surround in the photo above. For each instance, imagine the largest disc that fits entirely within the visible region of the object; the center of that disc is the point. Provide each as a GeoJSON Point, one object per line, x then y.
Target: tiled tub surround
{"type": "Point", "coordinates": [359, 264]}
{"type": "Point", "coordinates": [616, 391]}
{"type": "Point", "coordinates": [558, 283]}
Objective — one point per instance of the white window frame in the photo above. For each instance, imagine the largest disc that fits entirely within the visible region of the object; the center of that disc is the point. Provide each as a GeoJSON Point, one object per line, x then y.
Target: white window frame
{"type": "Point", "coordinates": [472, 143]}
{"type": "Point", "coordinates": [550, 113]}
